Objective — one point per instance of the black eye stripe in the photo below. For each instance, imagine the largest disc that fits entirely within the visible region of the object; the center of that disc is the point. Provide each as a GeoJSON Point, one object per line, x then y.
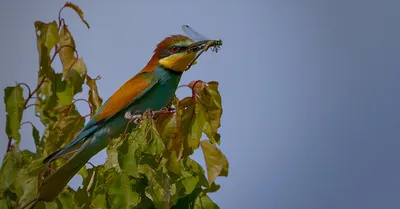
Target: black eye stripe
{"type": "Point", "coordinates": [178, 48]}
{"type": "Point", "coordinates": [169, 51]}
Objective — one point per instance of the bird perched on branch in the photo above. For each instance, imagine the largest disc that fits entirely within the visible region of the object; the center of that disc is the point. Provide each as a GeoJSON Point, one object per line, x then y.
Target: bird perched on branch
{"type": "Point", "coordinates": [152, 88]}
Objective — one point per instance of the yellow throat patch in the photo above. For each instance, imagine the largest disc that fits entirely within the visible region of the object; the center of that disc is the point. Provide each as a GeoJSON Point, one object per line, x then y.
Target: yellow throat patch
{"type": "Point", "coordinates": [178, 62]}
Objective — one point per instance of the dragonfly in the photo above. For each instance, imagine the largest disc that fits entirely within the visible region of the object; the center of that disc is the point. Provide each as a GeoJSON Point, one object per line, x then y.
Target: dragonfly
{"type": "Point", "coordinates": [215, 45]}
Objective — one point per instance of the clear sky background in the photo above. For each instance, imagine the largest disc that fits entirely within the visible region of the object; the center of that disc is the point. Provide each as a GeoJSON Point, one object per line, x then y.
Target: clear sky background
{"type": "Point", "coordinates": [310, 89]}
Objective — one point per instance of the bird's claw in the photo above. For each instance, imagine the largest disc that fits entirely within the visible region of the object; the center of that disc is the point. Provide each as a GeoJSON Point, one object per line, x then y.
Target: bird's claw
{"type": "Point", "coordinates": [149, 113]}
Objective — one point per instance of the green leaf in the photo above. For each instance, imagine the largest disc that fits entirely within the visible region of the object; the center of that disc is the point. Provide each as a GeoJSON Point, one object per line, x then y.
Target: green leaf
{"type": "Point", "coordinates": [93, 94]}
{"type": "Point", "coordinates": [160, 190]}
{"type": "Point", "coordinates": [168, 126]}
{"type": "Point", "coordinates": [205, 202]}
{"type": "Point", "coordinates": [51, 205]}
{"type": "Point", "coordinates": [112, 156]}
{"type": "Point", "coordinates": [63, 129]}
{"type": "Point", "coordinates": [36, 138]}
{"type": "Point", "coordinates": [173, 164]}
{"type": "Point", "coordinates": [70, 126]}
{"type": "Point", "coordinates": [191, 127]}
{"type": "Point", "coordinates": [66, 199]}
{"type": "Point", "coordinates": [155, 144]}
{"type": "Point", "coordinates": [100, 201]}
{"type": "Point", "coordinates": [47, 34]}
{"type": "Point", "coordinates": [67, 50]}
{"type": "Point", "coordinates": [3, 204]}
{"type": "Point", "coordinates": [14, 102]}
{"type": "Point", "coordinates": [147, 136]}
{"type": "Point", "coordinates": [94, 182]}
{"type": "Point", "coordinates": [47, 37]}
{"type": "Point", "coordinates": [83, 172]}
{"type": "Point", "coordinates": [120, 192]}
{"type": "Point", "coordinates": [188, 201]}
{"type": "Point", "coordinates": [213, 188]}
{"type": "Point", "coordinates": [210, 99]}
{"type": "Point", "coordinates": [127, 156]}
{"type": "Point", "coordinates": [52, 37]}
{"type": "Point", "coordinates": [76, 76]}
{"type": "Point", "coordinates": [192, 168]}
{"type": "Point", "coordinates": [28, 187]}
{"type": "Point", "coordinates": [97, 188]}
{"type": "Point", "coordinates": [78, 11]}
{"type": "Point", "coordinates": [81, 198]}
{"type": "Point", "coordinates": [190, 183]}
{"type": "Point", "coordinates": [8, 171]}
{"type": "Point", "coordinates": [216, 162]}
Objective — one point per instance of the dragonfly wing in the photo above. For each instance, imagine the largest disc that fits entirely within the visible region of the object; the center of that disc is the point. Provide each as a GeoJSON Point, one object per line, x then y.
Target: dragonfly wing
{"type": "Point", "coordinates": [193, 34]}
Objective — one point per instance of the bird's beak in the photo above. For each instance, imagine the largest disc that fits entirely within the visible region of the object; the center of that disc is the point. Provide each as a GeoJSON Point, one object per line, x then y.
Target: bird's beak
{"type": "Point", "coordinates": [197, 46]}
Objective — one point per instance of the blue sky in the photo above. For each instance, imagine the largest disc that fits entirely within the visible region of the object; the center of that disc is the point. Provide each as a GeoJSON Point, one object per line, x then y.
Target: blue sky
{"type": "Point", "coordinates": [310, 89]}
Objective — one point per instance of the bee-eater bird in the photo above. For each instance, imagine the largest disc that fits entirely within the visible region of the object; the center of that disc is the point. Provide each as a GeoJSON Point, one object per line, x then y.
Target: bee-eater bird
{"type": "Point", "coordinates": [152, 88]}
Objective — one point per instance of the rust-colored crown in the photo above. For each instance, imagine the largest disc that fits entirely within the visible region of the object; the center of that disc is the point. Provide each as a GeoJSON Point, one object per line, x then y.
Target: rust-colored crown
{"type": "Point", "coordinates": [167, 42]}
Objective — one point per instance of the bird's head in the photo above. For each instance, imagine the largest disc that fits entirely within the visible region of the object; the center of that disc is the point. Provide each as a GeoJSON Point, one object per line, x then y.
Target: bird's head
{"type": "Point", "coordinates": [177, 52]}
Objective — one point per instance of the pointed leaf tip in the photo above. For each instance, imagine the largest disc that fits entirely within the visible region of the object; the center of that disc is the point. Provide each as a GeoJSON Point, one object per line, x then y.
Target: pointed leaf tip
{"type": "Point", "coordinates": [78, 11]}
{"type": "Point", "coordinates": [216, 162]}
{"type": "Point", "coordinates": [93, 96]}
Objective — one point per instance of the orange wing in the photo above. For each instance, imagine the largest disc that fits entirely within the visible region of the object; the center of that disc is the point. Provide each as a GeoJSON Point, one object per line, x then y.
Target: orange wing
{"type": "Point", "coordinates": [126, 94]}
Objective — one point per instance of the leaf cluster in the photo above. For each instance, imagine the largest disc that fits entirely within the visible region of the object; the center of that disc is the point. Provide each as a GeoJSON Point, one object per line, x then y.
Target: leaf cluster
{"type": "Point", "coordinates": [147, 167]}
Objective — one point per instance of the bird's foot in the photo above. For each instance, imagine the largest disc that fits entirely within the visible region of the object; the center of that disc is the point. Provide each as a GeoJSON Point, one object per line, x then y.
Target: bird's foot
{"type": "Point", "coordinates": [135, 117]}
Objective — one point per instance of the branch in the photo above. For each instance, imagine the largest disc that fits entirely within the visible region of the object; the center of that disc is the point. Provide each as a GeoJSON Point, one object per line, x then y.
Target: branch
{"type": "Point", "coordinates": [34, 92]}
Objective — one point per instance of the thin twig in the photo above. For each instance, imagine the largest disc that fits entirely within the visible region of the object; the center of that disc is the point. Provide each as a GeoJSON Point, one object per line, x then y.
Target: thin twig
{"type": "Point", "coordinates": [31, 105]}
{"type": "Point", "coordinates": [90, 105]}
{"type": "Point", "coordinates": [85, 116]}
{"type": "Point", "coordinates": [57, 51]}
{"type": "Point", "coordinates": [26, 85]}
{"type": "Point", "coordinates": [9, 143]}
{"type": "Point", "coordinates": [34, 92]}
{"type": "Point", "coordinates": [76, 52]}
{"type": "Point", "coordinates": [91, 164]}
{"type": "Point", "coordinates": [54, 54]}
{"type": "Point", "coordinates": [183, 85]}
{"type": "Point", "coordinates": [27, 122]}
{"type": "Point", "coordinates": [59, 16]}
{"type": "Point", "coordinates": [85, 100]}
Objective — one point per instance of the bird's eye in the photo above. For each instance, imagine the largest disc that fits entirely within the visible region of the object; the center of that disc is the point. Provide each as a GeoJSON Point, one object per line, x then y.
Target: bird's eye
{"type": "Point", "coordinates": [175, 49]}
